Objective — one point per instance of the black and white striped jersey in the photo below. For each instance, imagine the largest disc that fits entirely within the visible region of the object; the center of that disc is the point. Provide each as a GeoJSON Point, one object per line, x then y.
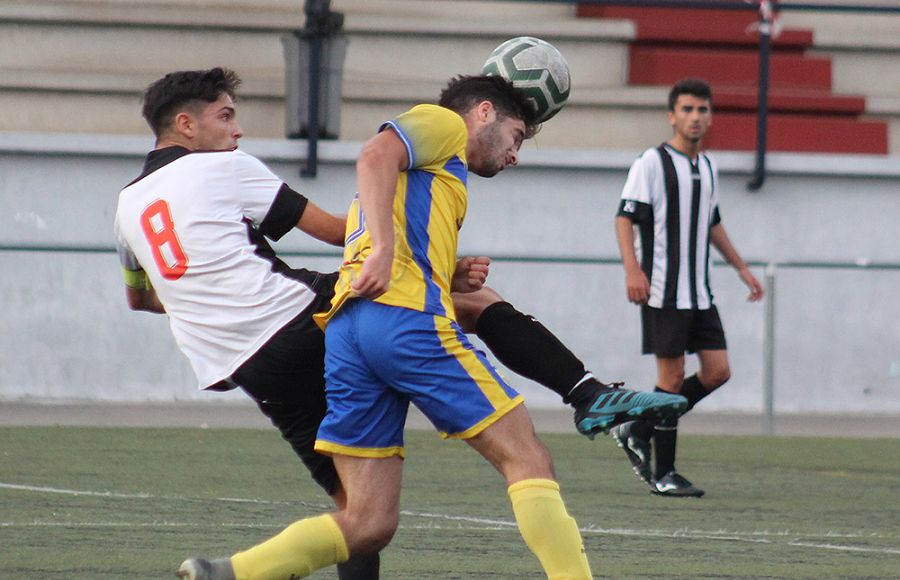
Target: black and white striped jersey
{"type": "Point", "coordinates": [194, 222]}
{"type": "Point", "coordinates": [673, 201]}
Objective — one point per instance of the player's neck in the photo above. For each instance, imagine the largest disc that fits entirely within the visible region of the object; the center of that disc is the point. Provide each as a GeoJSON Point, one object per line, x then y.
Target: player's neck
{"type": "Point", "coordinates": [684, 146]}
{"type": "Point", "coordinates": [172, 139]}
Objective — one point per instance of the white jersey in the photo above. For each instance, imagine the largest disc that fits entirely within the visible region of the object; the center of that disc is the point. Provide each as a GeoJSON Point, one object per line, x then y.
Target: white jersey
{"type": "Point", "coordinates": [189, 221]}
{"type": "Point", "coordinates": [673, 201]}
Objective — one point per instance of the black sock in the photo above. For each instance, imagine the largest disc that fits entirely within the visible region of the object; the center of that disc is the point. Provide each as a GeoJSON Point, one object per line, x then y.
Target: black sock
{"type": "Point", "coordinates": [527, 348]}
{"type": "Point", "coordinates": [362, 567]}
{"type": "Point", "coordinates": [693, 391]}
{"type": "Point", "coordinates": [665, 438]}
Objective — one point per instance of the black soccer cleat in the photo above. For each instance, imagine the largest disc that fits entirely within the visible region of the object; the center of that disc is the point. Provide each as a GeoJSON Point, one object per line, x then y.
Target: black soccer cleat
{"type": "Point", "coordinates": [599, 407]}
{"type": "Point", "coordinates": [673, 484]}
{"type": "Point", "coordinates": [200, 569]}
{"type": "Point", "coordinates": [637, 448]}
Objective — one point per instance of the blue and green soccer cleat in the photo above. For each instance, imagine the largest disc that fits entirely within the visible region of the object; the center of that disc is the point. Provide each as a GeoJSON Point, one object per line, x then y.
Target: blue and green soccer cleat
{"type": "Point", "coordinates": [599, 407]}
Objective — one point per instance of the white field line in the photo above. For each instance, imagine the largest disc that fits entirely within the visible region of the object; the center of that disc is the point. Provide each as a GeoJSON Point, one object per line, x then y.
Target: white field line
{"type": "Point", "coordinates": [75, 492]}
{"type": "Point", "coordinates": [141, 495]}
{"type": "Point", "coordinates": [467, 523]}
{"type": "Point", "coordinates": [842, 547]}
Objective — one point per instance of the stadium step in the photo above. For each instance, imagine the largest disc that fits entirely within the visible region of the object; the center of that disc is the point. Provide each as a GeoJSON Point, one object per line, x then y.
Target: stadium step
{"type": "Point", "coordinates": [710, 26]}
{"type": "Point", "coordinates": [79, 66]}
{"type": "Point", "coordinates": [721, 46]}
{"type": "Point", "coordinates": [789, 100]}
{"type": "Point", "coordinates": [809, 133]}
{"type": "Point", "coordinates": [664, 65]}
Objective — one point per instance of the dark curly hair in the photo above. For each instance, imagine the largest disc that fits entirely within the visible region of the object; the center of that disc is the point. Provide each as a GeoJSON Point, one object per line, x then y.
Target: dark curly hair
{"type": "Point", "coordinates": [166, 97]}
{"type": "Point", "coordinates": [464, 92]}
{"type": "Point", "coordinates": [695, 87]}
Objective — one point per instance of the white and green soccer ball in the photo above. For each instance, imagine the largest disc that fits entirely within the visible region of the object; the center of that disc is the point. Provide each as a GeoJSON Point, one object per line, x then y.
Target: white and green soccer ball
{"type": "Point", "coordinates": [536, 68]}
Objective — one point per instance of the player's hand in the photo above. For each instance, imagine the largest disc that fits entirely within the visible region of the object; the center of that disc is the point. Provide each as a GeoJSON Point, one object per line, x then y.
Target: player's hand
{"type": "Point", "coordinates": [637, 286]}
{"type": "Point", "coordinates": [471, 274]}
{"type": "Point", "coordinates": [756, 289]}
{"type": "Point", "coordinates": [375, 277]}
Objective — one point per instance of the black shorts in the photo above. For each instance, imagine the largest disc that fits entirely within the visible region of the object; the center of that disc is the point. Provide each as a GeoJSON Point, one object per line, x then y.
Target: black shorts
{"type": "Point", "coordinates": [286, 379]}
{"type": "Point", "coordinates": [668, 332]}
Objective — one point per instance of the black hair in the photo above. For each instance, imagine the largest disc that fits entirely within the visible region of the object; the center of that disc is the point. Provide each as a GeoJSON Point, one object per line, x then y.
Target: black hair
{"type": "Point", "coordinates": [464, 92]}
{"type": "Point", "coordinates": [169, 95]}
{"type": "Point", "coordinates": [695, 87]}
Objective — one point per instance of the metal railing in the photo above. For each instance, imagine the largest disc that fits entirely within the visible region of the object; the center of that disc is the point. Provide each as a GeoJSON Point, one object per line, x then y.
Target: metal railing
{"type": "Point", "coordinates": [770, 269]}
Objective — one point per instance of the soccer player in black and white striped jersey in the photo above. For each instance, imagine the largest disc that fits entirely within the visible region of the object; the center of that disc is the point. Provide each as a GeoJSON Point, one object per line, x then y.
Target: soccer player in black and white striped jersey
{"type": "Point", "coordinates": [671, 199]}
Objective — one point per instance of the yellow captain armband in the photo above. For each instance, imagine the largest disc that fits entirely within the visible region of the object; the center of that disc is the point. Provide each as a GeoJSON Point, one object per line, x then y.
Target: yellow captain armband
{"type": "Point", "coordinates": [136, 279]}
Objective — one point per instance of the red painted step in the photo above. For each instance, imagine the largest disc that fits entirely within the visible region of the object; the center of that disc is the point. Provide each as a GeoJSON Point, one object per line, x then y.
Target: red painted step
{"type": "Point", "coordinates": [697, 26]}
{"type": "Point", "coordinates": [661, 65]}
{"type": "Point", "coordinates": [810, 133]}
{"type": "Point", "coordinates": [786, 100]}
{"type": "Point", "coordinates": [721, 46]}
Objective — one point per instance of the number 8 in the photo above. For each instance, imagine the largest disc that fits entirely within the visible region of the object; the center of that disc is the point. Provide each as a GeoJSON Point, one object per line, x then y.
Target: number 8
{"type": "Point", "coordinates": [159, 229]}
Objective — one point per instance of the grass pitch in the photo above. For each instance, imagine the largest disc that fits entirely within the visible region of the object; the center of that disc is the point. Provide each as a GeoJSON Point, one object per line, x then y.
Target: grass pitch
{"type": "Point", "coordinates": [92, 503]}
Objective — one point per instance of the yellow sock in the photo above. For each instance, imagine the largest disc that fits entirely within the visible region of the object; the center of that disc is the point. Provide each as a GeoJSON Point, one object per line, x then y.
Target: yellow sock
{"type": "Point", "coordinates": [548, 529]}
{"type": "Point", "coordinates": [298, 551]}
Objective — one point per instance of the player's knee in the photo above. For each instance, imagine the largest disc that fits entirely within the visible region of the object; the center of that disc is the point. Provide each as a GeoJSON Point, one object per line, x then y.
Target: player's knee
{"type": "Point", "coordinates": [466, 319]}
{"type": "Point", "coordinates": [469, 306]}
{"type": "Point", "coordinates": [370, 533]}
{"type": "Point", "coordinates": [378, 533]}
{"type": "Point", "coordinates": [532, 462]}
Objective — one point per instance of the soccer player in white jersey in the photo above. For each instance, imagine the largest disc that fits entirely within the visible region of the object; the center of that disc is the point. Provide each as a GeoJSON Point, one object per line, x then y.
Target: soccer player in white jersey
{"type": "Point", "coordinates": [671, 197]}
{"type": "Point", "coordinates": [191, 235]}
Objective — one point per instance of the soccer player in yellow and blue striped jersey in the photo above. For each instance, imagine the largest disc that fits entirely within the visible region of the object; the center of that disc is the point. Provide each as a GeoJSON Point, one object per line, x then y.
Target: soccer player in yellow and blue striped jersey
{"type": "Point", "coordinates": [392, 339]}
{"type": "Point", "coordinates": [429, 207]}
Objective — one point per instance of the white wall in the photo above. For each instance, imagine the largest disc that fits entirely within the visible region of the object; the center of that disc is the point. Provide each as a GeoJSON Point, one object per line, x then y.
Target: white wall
{"type": "Point", "coordinates": [67, 333]}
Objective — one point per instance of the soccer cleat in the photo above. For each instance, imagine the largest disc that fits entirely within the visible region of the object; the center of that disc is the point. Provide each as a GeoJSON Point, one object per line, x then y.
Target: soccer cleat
{"type": "Point", "coordinates": [599, 407]}
{"type": "Point", "coordinates": [637, 449]}
{"type": "Point", "coordinates": [673, 484]}
{"type": "Point", "coordinates": [200, 569]}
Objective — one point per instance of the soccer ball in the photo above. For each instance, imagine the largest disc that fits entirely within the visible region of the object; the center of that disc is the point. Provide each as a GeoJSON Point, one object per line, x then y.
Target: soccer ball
{"type": "Point", "coordinates": [536, 68]}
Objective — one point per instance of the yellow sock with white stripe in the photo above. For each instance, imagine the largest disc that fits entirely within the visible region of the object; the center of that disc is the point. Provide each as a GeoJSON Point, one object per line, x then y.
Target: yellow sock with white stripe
{"type": "Point", "coordinates": [298, 551]}
{"type": "Point", "coordinates": [548, 529]}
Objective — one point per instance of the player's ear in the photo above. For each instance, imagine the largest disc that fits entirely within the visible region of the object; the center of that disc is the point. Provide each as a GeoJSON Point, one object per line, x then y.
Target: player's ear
{"type": "Point", "coordinates": [485, 109]}
{"type": "Point", "coordinates": [184, 124]}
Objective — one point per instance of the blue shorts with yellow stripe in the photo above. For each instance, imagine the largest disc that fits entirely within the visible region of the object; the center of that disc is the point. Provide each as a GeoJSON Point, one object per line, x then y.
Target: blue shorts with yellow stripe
{"type": "Point", "coordinates": [380, 358]}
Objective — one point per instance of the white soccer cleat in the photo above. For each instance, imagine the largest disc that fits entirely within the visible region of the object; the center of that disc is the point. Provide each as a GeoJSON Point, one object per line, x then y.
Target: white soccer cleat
{"type": "Point", "coordinates": [200, 569]}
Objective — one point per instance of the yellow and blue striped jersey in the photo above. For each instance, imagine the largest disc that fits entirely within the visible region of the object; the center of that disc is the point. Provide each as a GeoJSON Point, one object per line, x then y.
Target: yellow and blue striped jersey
{"type": "Point", "coordinates": [429, 208]}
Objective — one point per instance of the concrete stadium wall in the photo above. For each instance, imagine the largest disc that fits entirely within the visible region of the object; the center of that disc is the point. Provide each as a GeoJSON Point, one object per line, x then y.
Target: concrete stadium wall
{"type": "Point", "coordinates": [68, 335]}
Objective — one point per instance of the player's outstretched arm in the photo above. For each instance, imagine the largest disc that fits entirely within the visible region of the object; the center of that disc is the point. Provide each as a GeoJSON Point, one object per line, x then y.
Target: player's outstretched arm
{"type": "Point", "coordinates": [322, 225]}
{"type": "Point", "coordinates": [377, 171]}
{"type": "Point", "coordinates": [720, 240]}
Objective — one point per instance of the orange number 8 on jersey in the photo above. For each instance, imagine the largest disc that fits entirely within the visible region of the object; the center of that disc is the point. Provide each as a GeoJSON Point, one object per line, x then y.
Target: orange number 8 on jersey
{"type": "Point", "coordinates": [159, 230]}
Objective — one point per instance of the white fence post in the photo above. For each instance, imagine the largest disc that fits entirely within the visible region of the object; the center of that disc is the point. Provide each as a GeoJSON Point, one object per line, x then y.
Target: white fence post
{"type": "Point", "coordinates": [768, 420]}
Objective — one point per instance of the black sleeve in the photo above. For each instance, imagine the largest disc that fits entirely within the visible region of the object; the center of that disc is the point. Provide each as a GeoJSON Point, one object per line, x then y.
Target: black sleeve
{"type": "Point", "coordinates": [636, 211]}
{"type": "Point", "coordinates": [284, 213]}
{"type": "Point", "coordinates": [716, 217]}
